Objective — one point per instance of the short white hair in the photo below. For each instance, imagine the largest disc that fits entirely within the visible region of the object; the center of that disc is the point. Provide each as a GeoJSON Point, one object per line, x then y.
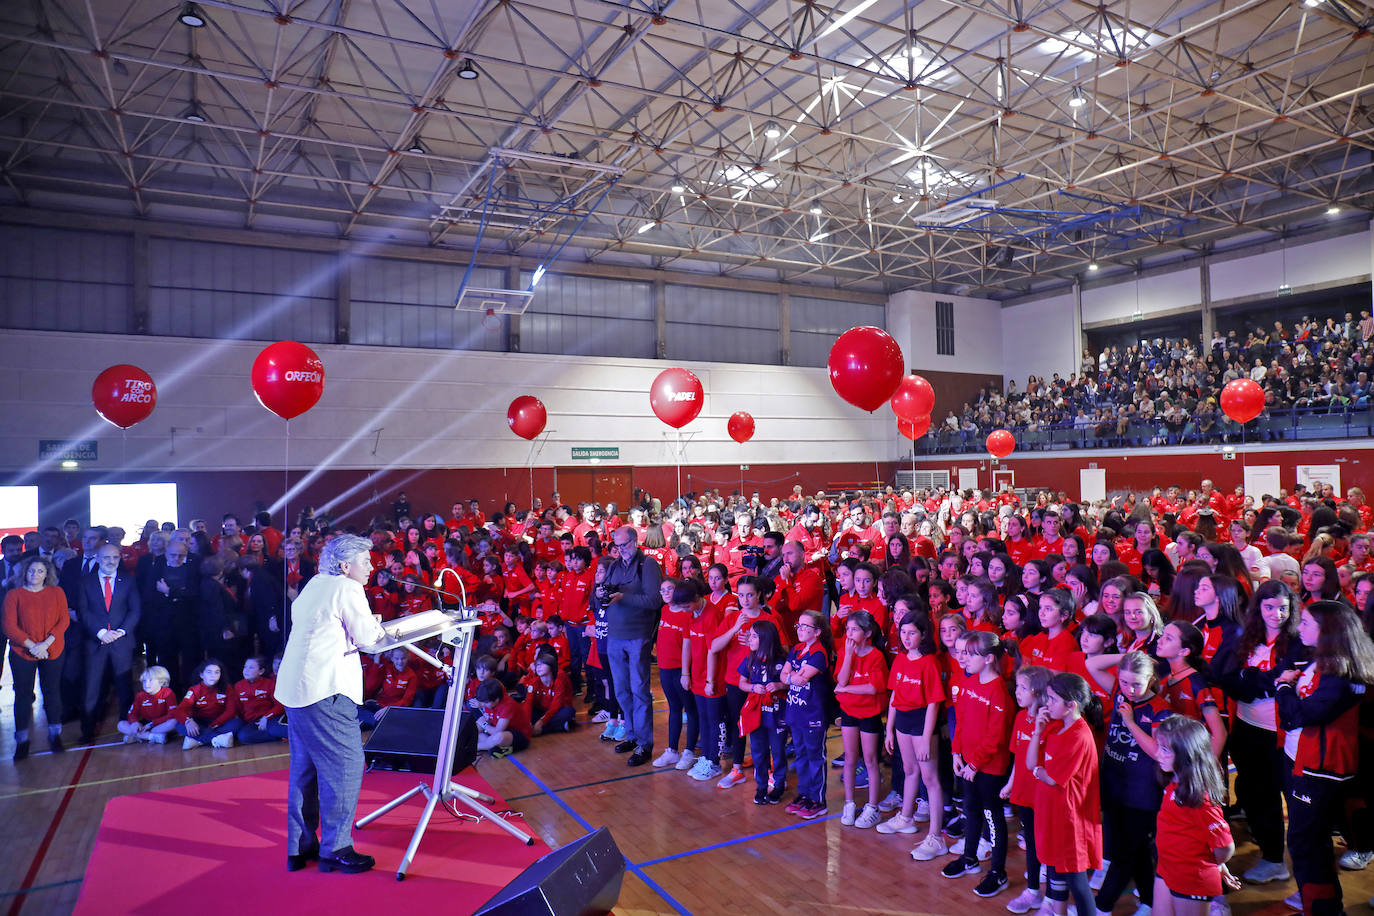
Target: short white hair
{"type": "Point", "coordinates": [344, 548]}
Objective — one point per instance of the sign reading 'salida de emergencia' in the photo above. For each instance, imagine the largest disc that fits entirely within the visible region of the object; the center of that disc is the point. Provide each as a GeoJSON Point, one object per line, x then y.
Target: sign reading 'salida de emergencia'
{"type": "Point", "coordinates": [599, 452]}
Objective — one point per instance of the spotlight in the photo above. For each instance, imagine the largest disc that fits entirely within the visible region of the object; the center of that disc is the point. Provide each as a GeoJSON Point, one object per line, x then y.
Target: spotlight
{"type": "Point", "coordinates": [491, 321]}
{"type": "Point", "coordinates": [678, 188]}
{"type": "Point", "coordinates": [898, 199]}
{"type": "Point", "coordinates": [1092, 265]}
{"type": "Point", "coordinates": [467, 70]}
{"type": "Point", "coordinates": [1332, 210]}
{"type": "Point", "coordinates": [191, 15]}
{"type": "Point", "coordinates": [195, 114]}
{"type": "Point", "coordinates": [70, 465]}
{"type": "Point", "coordinates": [416, 147]}
{"type": "Point", "coordinates": [1077, 101]}
{"type": "Point", "coordinates": [1311, 3]}
{"type": "Point", "coordinates": [772, 131]}
{"type": "Point", "coordinates": [816, 210]}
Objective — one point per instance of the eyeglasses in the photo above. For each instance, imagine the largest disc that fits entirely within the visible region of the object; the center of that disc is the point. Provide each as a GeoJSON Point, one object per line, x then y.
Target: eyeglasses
{"type": "Point", "coordinates": [807, 626]}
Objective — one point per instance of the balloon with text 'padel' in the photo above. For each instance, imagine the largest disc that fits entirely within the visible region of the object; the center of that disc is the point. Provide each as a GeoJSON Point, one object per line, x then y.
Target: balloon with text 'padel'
{"type": "Point", "coordinates": [527, 416]}
{"type": "Point", "coordinates": [676, 397]}
{"type": "Point", "coordinates": [288, 378]}
{"type": "Point", "coordinates": [124, 395]}
{"type": "Point", "coordinates": [865, 367]}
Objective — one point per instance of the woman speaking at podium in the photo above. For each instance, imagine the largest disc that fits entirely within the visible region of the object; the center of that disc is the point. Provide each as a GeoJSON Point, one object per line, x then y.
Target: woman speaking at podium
{"type": "Point", "coordinates": [321, 685]}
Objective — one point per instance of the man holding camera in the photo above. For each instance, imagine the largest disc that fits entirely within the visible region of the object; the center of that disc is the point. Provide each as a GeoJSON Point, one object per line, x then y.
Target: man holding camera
{"type": "Point", "coordinates": [630, 595]}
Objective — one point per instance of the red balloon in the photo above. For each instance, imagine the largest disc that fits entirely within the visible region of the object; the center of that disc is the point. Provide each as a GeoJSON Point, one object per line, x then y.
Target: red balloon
{"type": "Point", "coordinates": [288, 378]}
{"type": "Point", "coordinates": [914, 429]}
{"type": "Point", "coordinates": [741, 426]}
{"type": "Point", "coordinates": [1001, 443]}
{"type": "Point", "coordinates": [676, 397]}
{"type": "Point", "coordinates": [1242, 400]}
{"type": "Point", "coordinates": [527, 416]}
{"type": "Point", "coordinates": [865, 367]}
{"type": "Point", "coordinates": [914, 398]}
{"type": "Point", "coordinates": [124, 395]}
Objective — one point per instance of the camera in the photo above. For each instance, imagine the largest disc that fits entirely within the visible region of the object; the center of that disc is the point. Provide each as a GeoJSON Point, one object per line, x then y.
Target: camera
{"type": "Point", "coordinates": [604, 592]}
{"type": "Point", "coordinates": [752, 557]}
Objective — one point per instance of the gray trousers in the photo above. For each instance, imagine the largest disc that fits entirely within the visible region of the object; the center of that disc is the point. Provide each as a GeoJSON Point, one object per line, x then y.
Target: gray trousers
{"type": "Point", "coordinates": [326, 774]}
{"type": "Point", "coordinates": [629, 660]}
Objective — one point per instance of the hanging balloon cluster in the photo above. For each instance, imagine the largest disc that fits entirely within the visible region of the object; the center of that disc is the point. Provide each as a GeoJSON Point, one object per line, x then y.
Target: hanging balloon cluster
{"type": "Point", "coordinates": [912, 403]}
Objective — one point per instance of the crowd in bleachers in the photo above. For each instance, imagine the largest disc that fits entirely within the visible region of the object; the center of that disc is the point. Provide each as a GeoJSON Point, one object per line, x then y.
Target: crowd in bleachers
{"type": "Point", "coordinates": [1167, 391]}
{"type": "Point", "coordinates": [919, 622]}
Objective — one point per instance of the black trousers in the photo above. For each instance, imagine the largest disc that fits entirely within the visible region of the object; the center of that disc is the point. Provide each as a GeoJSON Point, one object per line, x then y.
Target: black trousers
{"type": "Point", "coordinates": [118, 659]}
{"type": "Point", "coordinates": [1259, 785]}
{"type": "Point", "coordinates": [48, 673]}
{"type": "Point", "coordinates": [984, 817]}
{"type": "Point", "coordinates": [1131, 848]}
{"type": "Point", "coordinates": [1314, 807]}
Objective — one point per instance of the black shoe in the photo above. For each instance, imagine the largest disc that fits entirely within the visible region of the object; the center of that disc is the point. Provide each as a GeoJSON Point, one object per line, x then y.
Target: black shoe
{"type": "Point", "coordinates": [301, 859]}
{"type": "Point", "coordinates": [760, 796]}
{"type": "Point", "coordinates": [638, 758]}
{"type": "Point", "coordinates": [954, 827]}
{"type": "Point", "coordinates": [955, 868]}
{"type": "Point", "coordinates": [993, 883]}
{"type": "Point", "coordinates": [347, 861]}
{"type": "Point", "coordinates": [775, 797]}
{"type": "Point", "coordinates": [626, 746]}
{"type": "Point", "coordinates": [56, 746]}
{"type": "Point", "coordinates": [21, 750]}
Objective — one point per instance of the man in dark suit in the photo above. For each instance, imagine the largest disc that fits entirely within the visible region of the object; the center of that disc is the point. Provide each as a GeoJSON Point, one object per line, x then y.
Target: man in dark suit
{"type": "Point", "coordinates": [74, 655]}
{"type": "Point", "coordinates": [108, 613]}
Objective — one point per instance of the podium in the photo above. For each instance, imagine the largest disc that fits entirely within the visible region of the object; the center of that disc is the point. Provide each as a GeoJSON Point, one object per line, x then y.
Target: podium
{"type": "Point", "coordinates": [458, 628]}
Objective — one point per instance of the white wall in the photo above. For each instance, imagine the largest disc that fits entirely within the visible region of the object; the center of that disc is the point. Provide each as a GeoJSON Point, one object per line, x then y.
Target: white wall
{"type": "Point", "coordinates": [436, 408]}
{"type": "Point", "coordinates": [977, 332]}
{"type": "Point", "coordinates": [1162, 293]}
{"type": "Point", "coordinates": [1038, 339]}
{"type": "Point", "coordinates": [1345, 257]}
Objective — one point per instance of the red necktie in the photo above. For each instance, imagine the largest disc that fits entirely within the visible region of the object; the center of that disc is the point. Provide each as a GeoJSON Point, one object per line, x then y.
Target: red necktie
{"type": "Point", "coordinates": [109, 593]}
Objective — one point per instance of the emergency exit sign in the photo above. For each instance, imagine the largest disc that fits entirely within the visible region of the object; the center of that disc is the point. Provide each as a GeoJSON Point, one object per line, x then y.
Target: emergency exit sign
{"type": "Point", "coordinates": [599, 452]}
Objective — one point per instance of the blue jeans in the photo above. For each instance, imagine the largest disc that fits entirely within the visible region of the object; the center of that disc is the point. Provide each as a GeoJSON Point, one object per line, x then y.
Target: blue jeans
{"type": "Point", "coordinates": [766, 744]}
{"type": "Point", "coordinates": [249, 733]}
{"type": "Point", "coordinates": [629, 660]}
{"type": "Point", "coordinates": [207, 734]}
{"type": "Point", "coordinates": [808, 737]}
{"type": "Point", "coordinates": [557, 722]}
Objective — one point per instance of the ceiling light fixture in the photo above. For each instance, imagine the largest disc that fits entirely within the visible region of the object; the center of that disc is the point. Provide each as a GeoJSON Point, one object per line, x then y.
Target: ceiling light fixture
{"type": "Point", "coordinates": [1332, 210]}
{"type": "Point", "coordinates": [1311, 3]}
{"type": "Point", "coordinates": [416, 147]}
{"type": "Point", "coordinates": [898, 199]}
{"type": "Point", "coordinates": [467, 70]}
{"type": "Point", "coordinates": [70, 464]}
{"type": "Point", "coordinates": [678, 188]}
{"type": "Point", "coordinates": [1077, 100]}
{"type": "Point", "coordinates": [816, 210]}
{"type": "Point", "coordinates": [772, 131]}
{"type": "Point", "coordinates": [645, 228]}
{"type": "Point", "coordinates": [491, 321]}
{"type": "Point", "coordinates": [191, 15]}
{"type": "Point", "coordinates": [195, 114]}
{"type": "Point", "coordinates": [1092, 265]}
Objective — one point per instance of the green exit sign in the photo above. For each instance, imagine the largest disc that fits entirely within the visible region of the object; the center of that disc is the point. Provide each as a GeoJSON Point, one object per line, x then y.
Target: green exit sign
{"type": "Point", "coordinates": [597, 452]}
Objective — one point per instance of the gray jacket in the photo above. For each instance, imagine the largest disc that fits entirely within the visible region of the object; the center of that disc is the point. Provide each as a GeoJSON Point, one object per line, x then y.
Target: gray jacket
{"type": "Point", "coordinates": [633, 616]}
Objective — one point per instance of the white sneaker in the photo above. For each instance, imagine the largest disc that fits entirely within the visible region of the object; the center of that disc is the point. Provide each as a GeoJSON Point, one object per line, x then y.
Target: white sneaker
{"type": "Point", "coordinates": [731, 779]}
{"type": "Point", "coordinates": [1143, 910]}
{"type": "Point", "coordinates": [704, 769]}
{"type": "Point", "coordinates": [898, 824]}
{"type": "Point", "coordinates": [685, 761]}
{"type": "Point", "coordinates": [1097, 877]}
{"type": "Point", "coordinates": [922, 811]}
{"type": "Point", "coordinates": [224, 740]}
{"type": "Point", "coordinates": [157, 738]}
{"type": "Point", "coordinates": [891, 802]}
{"type": "Point", "coordinates": [130, 739]}
{"type": "Point", "coordinates": [929, 848]}
{"type": "Point", "coordinates": [602, 716]}
{"type": "Point", "coordinates": [189, 743]}
{"type": "Point", "coordinates": [847, 814]}
{"type": "Point", "coordinates": [1264, 871]}
{"type": "Point", "coordinates": [1026, 901]}
{"type": "Point", "coordinates": [984, 849]}
{"type": "Point", "coordinates": [668, 758]}
{"type": "Point", "coordinates": [868, 817]}
{"type": "Point", "coordinates": [1294, 901]}
{"type": "Point", "coordinates": [1355, 861]}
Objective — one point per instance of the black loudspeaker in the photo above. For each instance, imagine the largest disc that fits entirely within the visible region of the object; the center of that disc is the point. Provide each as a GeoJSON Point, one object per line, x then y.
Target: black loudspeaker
{"type": "Point", "coordinates": [408, 739]}
{"type": "Point", "coordinates": [580, 879]}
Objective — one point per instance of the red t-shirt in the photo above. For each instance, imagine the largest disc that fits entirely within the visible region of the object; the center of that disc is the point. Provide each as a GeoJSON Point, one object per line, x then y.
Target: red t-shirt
{"type": "Point", "coordinates": [576, 595]}
{"type": "Point", "coordinates": [1051, 652]}
{"type": "Point", "coordinates": [851, 603]}
{"type": "Point", "coordinates": [915, 684]}
{"type": "Point", "coordinates": [738, 648]}
{"type": "Point", "coordinates": [547, 698]}
{"type": "Point", "coordinates": [868, 669]}
{"type": "Point", "coordinates": [1185, 838]}
{"type": "Point", "coordinates": [1022, 779]}
{"type": "Point", "coordinates": [153, 708]}
{"type": "Point", "coordinates": [701, 631]}
{"type": "Point", "coordinates": [398, 686]}
{"type": "Point", "coordinates": [983, 716]}
{"type": "Point", "coordinates": [672, 630]}
{"type": "Point", "coordinates": [517, 715]}
{"type": "Point", "coordinates": [1068, 821]}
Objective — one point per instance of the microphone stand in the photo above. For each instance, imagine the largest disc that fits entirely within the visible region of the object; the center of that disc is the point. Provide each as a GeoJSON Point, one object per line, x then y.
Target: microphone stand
{"type": "Point", "coordinates": [459, 630]}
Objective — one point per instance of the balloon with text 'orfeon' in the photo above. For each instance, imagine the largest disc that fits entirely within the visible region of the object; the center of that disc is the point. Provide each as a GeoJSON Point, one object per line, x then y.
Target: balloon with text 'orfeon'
{"type": "Point", "coordinates": [741, 426]}
{"type": "Point", "coordinates": [676, 397]}
{"type": "Point", "coordinates": [527, 416]}
{"type": "Point", "coordinates": [288, 378]}
{"type": "Point", "coordinates": [914, 398]}
{"type": "Point", "coordinates": [865, 367]}
{"type": "Point", "coordinates": [914, 429]}
{"type": "Point", "coordinates": [1001, 443]}
{"type": "Point", "coordinates": [124, 395]}
{"type": "Point", "coordinates": [1242, 400]}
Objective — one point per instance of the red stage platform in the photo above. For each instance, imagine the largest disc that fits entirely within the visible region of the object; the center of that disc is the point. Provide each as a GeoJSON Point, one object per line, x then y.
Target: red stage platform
{"type": "Point", "coordinates": [220, 847]}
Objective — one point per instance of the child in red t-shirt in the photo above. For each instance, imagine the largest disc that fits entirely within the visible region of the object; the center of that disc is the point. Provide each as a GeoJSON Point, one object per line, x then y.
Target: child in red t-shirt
{"type": "Point", "coordinates": [1192, 836]}
{"type": "Point", "coordinates": [673, 622]}
{"type": "Point", "coordinates": [254, 700]}
{"type": "Point", "coordinates": [703, 672]}
{"type": "Point", "coordinates": [557, 640]}
{"type": "Point", "coordinates": [150, 718]}
{"type": "Point", "coordinates": [549, 696]}
{"type": "Point", "coordinates": [1032, 686]}
{"type": "Point", "coordinates": [861, 689]}
{"type": "Point", "coordinates": [203, 716]}
{"type": "Point", "coordinates": [504, 726]}
{"type": "Point", "coordinates": [1055, 647]}
{"type": "Point", "coordinates": [913, 718]}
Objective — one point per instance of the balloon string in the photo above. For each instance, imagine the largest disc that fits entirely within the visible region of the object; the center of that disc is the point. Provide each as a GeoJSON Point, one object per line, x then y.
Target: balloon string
{"type": "Point", "coordinates": [286, 519]}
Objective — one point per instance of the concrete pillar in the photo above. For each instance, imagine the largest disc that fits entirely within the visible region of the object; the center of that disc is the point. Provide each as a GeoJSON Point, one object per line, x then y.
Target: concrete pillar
{"type": "Point", "coordinates": [1209, 318]}
{"type": "Point", "coordinates": [1078, 325]}
{"type": "Point", "coordinates": [512, 323]}
{"type": "Point", "coordinates": [785, 327]}
{"type": "Point", "coordinates": [660, 318]}
{"type": "Point", "coordinates": [343, 297]}
{"type": "Point", "coordinates": [139, 302]}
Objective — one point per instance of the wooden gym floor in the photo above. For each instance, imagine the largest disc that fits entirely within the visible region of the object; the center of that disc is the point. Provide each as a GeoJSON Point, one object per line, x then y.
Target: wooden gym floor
{"type": "Point", "coordinates": [694, 848]}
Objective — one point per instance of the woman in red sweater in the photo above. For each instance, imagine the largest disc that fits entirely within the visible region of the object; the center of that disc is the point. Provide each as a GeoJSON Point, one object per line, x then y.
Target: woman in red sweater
{"type": "Point", "coordinates": [34, 621]}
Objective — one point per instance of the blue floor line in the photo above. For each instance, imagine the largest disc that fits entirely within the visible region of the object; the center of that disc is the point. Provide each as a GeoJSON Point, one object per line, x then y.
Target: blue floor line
{"type": "Point", "coordinates": [736, 842]}
{"type": "Point", "coordinates": [654, 885]}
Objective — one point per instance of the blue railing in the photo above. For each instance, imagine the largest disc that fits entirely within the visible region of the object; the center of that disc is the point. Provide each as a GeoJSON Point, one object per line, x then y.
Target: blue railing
{"type": "Point", "coordinates": [1289, 425]}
